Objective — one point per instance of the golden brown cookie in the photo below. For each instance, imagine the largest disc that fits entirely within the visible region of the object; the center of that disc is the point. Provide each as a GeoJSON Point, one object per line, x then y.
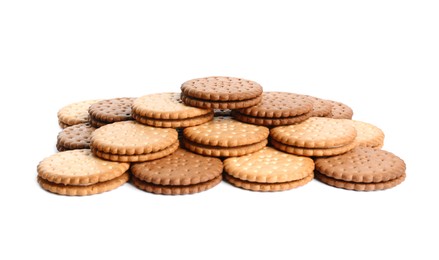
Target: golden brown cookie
{"type": "Point", "coordinates": [219, 151]}
{"type": "Point", "coordinates": [340, 110]}
{"type": "Point", "coordinates": [221, 89]}
{"type": "Point", "coordinates": [110, 110]}
{"type": "Point", "coordinates": [320, 107]}
{"type": "Point", "coordinates": [82, 172]}
{"type": "Point", "coordinates": [270, 121]}
{"type": "Point", "coordinates": [132, 140]}
{"type": "Point", "coordinates": [174, 123]}
{"type": "Point", "coordinates": [269, 166]}
{"type": "Point", "coordinates": [182, 172]}
{"type": "Point", "coordinates": [220, 104]}
{"type": "Point", "coordinates": [312, 152]}
{"type": "Point", "coordinates": [367, 134]}
{"type": "Point", "coordinates": [75, 137]}
{"type": "Point", "coordinates": [75, 113]}
{"type": "Point", "coordinates": [362, 168]}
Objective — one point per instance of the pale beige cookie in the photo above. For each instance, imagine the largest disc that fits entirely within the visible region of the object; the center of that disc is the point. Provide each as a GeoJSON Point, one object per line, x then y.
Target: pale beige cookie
{"type": "Point", "coordinates": [177, 189]}
{"type": "Point", "coordinates": [174, 123]}
{"type": "Point", "coordinates": [256, 186]}
{"type": "Point", "coordinates": [226, 132]}
{"type": "Point", "coordinates": [221, 89]}
{"type": "Point", "coordinates": [79, 167]}
{"type": "Point", "coordinates": [269, 166]}
{"type": "Point", "coordinates": [168, 106]}
{"type": "Point", "coordinates": [75, 137]}
{"type": "Point", "coordinates": [315, 132]}
{"type": "Point", "coordinates": [219, 151]}
{"type": "Point", "coordinates": [340, 110]}
{"type": "Point", "coordinates": [367, 134]}
{"type": "Point", "coordinates": [137, 157]}
{"type": "Point", "coordinates": [75, 113]}
{"type": "Point", "coordinates": [83, 190]}
{"type": "Point", "coordinates": [132, 138]}
{"type": "Point", "coordinates": [314, 152]}
{"type": "Point", "coordinates": [220, 104]}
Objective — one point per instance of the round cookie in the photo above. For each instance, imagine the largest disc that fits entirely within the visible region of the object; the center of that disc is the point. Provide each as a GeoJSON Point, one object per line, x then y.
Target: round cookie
{"type": "Point", "coordinates": [315, 132]}
{"type": "Point", "coordinates": [174, 123]}
{"type": "Point", "coordinates": [362, 168]}
{"type": "Point", "coordinates": [273, 169]}
{"type": "Point", "coordinates": [110, 111]}
{"type": "Point", "coordinates": [182, 172]}
{"type": "Point", "coordinates": [74, 137]}
{"type": "Point", "coordinates": [270, 121]}
{"type": "Point", "coordinates": [221, 89]}
{"type": "Point", "coordinates": [367, 134]}
{"type": "Point", "coordinates": [220, 104]}
{"type": "Point", "coordinates": [219, 151]}
{"type": "Point", "coordinates": [279, 105]}
{"type": "Point", "coordinates": [320, 107]}
{"type": "Point", "coordinates": [340, 110]}
{"type": "Point", "coordinates": [132, 140]}
{"type": "Point", "coordinates": [75, 113]}
{"type": "Point", "coordinates": [313, 152]}
{"type": "Point", "coordinates": [226, 132]}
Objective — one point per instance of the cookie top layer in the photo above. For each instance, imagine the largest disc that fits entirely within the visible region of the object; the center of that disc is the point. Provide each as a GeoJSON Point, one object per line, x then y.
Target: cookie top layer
{"type": "Point", "coordinates": [75, 113]}
{"type": "Point", "coordinates": [132, 138]}
{"type": "Point", "coordinates": [269, 166]}
{"type": "Point", "coordinates": [362, 164]}
{"type": "Point", "coordinates": [180, 168]}
{"type": "Point", "coordinates": [320, 107]}
{"type": "Point", "coordinates": [279, 104]}
{"type": "Point", "coordinates": [79, 167]}
{"type": "Point", "coordinates": [112, 110]}
{"type": "Point", "coordinates": [367, 134]}
{"type": "Point", "coordinates": [340, 110]}
{"type": "Point", "coordinates": [166, 106]}
{"type": "Point", "coordinates": [226, 132]}
{"type": "Point", "coordinates": [221, 89]}
{"type": "Point", "coordinates": [75, 136]}
{"type": "Point", "coordinates": [316, 132]}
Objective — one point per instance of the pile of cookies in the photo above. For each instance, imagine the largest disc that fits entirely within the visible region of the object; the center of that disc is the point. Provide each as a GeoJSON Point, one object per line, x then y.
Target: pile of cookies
{"type": "Point", "coordinates": [216, 128]}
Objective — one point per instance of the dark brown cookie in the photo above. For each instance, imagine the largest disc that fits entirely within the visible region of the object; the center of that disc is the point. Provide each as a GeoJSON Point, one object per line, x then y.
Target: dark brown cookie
{"type": "Point", "coordinates": [75, 137]}
{"type": "Point", "coordinates": [340, 110]}
{"type": "Point", "coordinates": [110, 111]}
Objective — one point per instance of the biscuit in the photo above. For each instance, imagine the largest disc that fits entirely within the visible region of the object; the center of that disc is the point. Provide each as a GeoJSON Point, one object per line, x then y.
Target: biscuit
{"type": "Point", "coordinates": [75, 113]}
{"type": "Point", "coordinates": [268, 170]}
{"type": "Point", "coordinates": [82, 172]}
{"type": "Point", "coordinates": [133, 141]}
{"type": "Point", "coordinates": [367, 134]}
{"type": "Point", "coordinates": [270, 121]}
{"type": "Point", "coordinates": [201, 103]}
{"type": "Point", "coordinates": [313, 152]}
{"type": "Point", "coordinates": [110, 110]}
{"type": "Point", "coordinates": [320, 107]}
{"type": "Point", "coordinates": [340, 110]}
{"type": "Point", "coordinates": [221, 89]}
{"type": "Point", "coordinates": [182, 172]}
{"type": "Point", "coordinates": [362, 169]}
{"type": "Point", "coordinates": [219, 151]}
{"type": "Point", "coordinates": [174, 123]}
{"type": "Point", "coordinates": [75, 137]}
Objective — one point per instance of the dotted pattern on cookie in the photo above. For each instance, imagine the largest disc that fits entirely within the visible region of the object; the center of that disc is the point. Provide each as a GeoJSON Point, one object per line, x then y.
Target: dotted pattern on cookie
{"type": "Point", "coordinates": [362, 164]}
{"type": "Point", "coordinates": [180, 168]}
{"type": "Point", "coordinates": [78, 167]}
{"type": "Point", "coordinates": [269, 166]}
{"type": "Point", "coordinates": [132, 138]}
{"type": "Point", "coordinates": [75, 113]}
{"type": "Point", "coordinates": [221, 89]}
{"type": "Point", "coordinates": [226, 132]}
{"type": "Point", "coordinates": [321, 107]}
{"type": "Point", "coordinates": [75, 137]}
{"type": "Point", "coordinates": [340, 110]}
{"type": "Point", "coordinates": [111, 110]}
{"type": "Point", "coordinates": [367, 134]}
{"type": "Point", "coordinates": [279, 105]}
{"type": "Point", "coordinates": [315, 132]}
{"type": "Point", "coordinates": [166, 106]}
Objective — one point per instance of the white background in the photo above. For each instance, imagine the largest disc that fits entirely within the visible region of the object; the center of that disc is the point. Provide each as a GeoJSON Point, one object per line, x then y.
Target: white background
{"type": "Point", "coordinates": [379, 57]}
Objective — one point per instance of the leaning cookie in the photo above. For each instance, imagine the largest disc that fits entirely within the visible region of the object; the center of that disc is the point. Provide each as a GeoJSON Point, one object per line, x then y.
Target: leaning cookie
{"type": "Point", "coordinates": [75, 137]}
{"type": "Point", "coordinates": [74, 113]}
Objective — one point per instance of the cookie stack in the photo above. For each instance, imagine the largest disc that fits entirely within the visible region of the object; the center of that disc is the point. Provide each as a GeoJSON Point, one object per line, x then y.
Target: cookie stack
{"type": "Point", "coordinates": [183, 143]}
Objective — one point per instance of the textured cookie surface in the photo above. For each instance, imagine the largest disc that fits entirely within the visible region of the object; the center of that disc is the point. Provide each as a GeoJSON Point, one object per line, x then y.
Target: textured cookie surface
{"type": "Point", "coordinates": [265, 121]}
{"type": "Point", "coordinates": [226, 132]}
{"type": "Point", "coordinates": [269, 166]}
{"type": "Point", "coordinates": [313, 151]}
{"type": "Point", "coordinates": [360, 186]}
{"type": "Point", "coordinates": [180, 168]}
{"type": "Point", "coordinates": [202, 103]}
{"type": "Point", "coordinates": [79, 167]}
{"type": "Point", "coordinates": [362, 164]}
{"type": "Point", "coordinates": [75, 137]}
{"type": "Point", "coordinates": [176, 189]}
{"type": "Point", "coordinates": [75, 113]}
{"type": "Point", "coordinates": [320, 107]}
{"type": "Point", "coordinates": [315, 132]}
{"type": "Point", "coordinates": [82, 190]}
{"type": "Point", "coordinates": [218, 151]}
{"type": "Point", "coordinates": [174, 123]}
{"type": "Point", "coordinates": [340, 110]}
{"type": "Point", "coordinates": [166, 106]}
{"type": "Point", "coordinates": [257, 186]}
{"type": "Point", "coordinates": [367, 134]}
{"type": "Point", "coordinates": [132, 138]}
{"type": "Point", "coordinates": [111, 110]}
{"type": "Point", "coordinates": [221, 89]}
{"type": "Point", "coordinates": [279, 104]}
